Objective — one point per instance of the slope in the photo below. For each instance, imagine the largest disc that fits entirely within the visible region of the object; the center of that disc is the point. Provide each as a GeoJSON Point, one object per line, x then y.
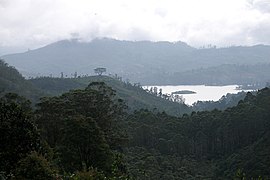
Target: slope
{"type": "Point", "coordinates": [12, 81]}
{"type": "Point", "coordinates": [121, 57]}
{"type": "Point", "coordinates": [225, 74]}
{"type": "Point", "coordinates": [204, 145]}
{"type": "Point", "coordinates": [141, 61]}
{"type": "Point", "coordinates": [135, 97]}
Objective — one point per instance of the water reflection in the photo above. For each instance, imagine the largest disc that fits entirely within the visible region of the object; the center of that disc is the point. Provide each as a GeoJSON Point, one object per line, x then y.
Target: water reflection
{"type": "Point", "coordinates": [203, 93]}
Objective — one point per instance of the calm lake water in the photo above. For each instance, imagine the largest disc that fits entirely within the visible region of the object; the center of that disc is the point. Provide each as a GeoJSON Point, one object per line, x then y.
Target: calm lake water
{"type": "Point", "coordinates": [203, 93]}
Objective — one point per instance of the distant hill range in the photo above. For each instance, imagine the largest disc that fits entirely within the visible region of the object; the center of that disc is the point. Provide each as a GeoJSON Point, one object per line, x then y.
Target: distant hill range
{"type": "Point", "coordinates": [134, 96]}
{"type": "Point", "coordinates": [251, 76]}
{"type": "Point", "coordinates": [141, 61]}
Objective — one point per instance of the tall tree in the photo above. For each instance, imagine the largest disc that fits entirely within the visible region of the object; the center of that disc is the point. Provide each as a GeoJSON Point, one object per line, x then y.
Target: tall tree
{"type": "Point", "coordinates": [18, 135]}
{"type": "Point", "coordinates": [83, 126]}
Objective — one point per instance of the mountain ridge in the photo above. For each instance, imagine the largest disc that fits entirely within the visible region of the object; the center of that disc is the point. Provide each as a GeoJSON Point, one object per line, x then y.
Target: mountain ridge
{"type": "Point", "coordinates": [134, 60]}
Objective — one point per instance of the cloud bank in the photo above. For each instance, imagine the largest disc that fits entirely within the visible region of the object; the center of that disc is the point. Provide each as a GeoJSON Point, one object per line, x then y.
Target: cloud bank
{"type": "Point", "coordinates": [34, 23]}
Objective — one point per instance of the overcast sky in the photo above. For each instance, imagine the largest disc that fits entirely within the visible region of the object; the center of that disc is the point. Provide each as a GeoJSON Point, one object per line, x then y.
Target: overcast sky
{"type": "Point", "coordinates": [34, 23]}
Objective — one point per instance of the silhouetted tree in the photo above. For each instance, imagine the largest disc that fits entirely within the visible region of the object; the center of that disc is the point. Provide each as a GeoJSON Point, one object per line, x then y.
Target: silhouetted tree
{"type": "Point", "coordinates": [100, 71]}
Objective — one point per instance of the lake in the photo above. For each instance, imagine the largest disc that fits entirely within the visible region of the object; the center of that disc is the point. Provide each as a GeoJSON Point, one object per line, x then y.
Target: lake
{"type": "Point", "coordinates": [203, 93]}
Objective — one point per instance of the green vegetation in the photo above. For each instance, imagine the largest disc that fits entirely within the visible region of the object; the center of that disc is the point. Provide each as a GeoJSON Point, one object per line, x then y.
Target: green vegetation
{"type": "Point", "coordinates": [34, 166]}
{"type": "Point", "coordinates": [249, 76]}
{"type": "Point", "coordinates": [12, 81]}
{"type": "Point", "coordinates": [134, 96]}
{"type": "Point", "coordinates": [18, 133]}
{"type": "Point", "coordinates": [206, 145]}
{"type": "Point", "coordinates": [90, 133]}
{"type": "Point", "coordinates": [184, 92]}
{"type": "Point", "coordinates": [150, 63]}
{"type": "Point", "coordinates": [33, 89]}
{"type": "Point", "coordinates": [226, 101]}
{"type": "Point", "coordinates": [83, 127]}
{"type": "Point", "coordinates": [79, 130]}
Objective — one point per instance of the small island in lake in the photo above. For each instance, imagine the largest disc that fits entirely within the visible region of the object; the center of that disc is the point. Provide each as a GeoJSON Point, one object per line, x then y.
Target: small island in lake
{"type": "Point", "coordinates": [184, 92]}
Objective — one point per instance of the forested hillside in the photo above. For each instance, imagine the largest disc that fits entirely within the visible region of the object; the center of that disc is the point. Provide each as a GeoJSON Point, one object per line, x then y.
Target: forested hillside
{"type": "Point", "coordinates": [91, 132]}
{"type": "Point", "coordinates": [141, 61]}
{"type": "Point", "coordinates": [77, 135]}
{"type": "Point", "coordinates": [205, 145]}
{"type": "Point", "coordinates": [257, 75]}
{"type": "Point", "coordinates": [126, 58]}
{"type": "Point", "coordinates": [135, 90]}
{"type": "Point", "coordinates": [133, 95]}
{"type": "Point", "coordinates": [88, 133]}
{"type": "Point", "coordinates": [12, 81]}
{"type": "Point", "coordinates": [226, 101]}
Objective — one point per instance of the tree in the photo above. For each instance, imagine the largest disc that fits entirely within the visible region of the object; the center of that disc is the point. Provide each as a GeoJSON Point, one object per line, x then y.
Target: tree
{"type": "Point", "coordinates": [13, 98]}
{"type": "Point", "coordinates": [99, 71]}
{"type": "Point", "coordinates": [18, 135]}
{"type": "Point", "coordinates": [160, 92]}
{"type": "Point", "coordinates": [34, 166]}
{"type": "Point", "coordinates": [50, 119]}
{"type": "Point", "coordinates": [83, 127]}
{"type": "Point", "coordinates": [85, 145]}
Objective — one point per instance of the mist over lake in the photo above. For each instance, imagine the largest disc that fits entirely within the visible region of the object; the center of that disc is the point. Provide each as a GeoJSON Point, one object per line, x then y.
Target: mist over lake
{"type": "Point", "coordinates": [131, 90]}
{"type": "Point", "coordinates": [203, 92]}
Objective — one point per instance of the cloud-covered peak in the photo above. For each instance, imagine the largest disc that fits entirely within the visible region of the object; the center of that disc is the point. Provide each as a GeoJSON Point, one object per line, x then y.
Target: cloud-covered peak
{"type": "Point", "coordinates": [35, 23]}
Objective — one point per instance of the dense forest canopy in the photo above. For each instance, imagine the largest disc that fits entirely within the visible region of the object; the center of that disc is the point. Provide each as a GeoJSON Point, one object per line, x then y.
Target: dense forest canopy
{"type": "Point", "coordinates": [135, 90]}
{"type": "Point", "coordinates": [208, 144]}
{"type": "Point", "coordinates": [12, 81]}
{"type": "Point", "coordinates": [90, 132]}
{"type": "Point", "coordinates": [134, 95]}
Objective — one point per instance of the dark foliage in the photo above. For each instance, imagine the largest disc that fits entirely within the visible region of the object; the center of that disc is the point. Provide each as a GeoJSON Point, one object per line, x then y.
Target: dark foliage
{"type": "Point", "coordinates": [84, 134]}
{"type": "Point", "coordinates": [83, 127]}
{"type": "Point", "coordinates": [237, 138]}
{"type": "Point", "coordinates": [18, 134]}
{"type": "Point", "coordinates": [134, 96]}
{"type": "Point", "coordinates": [34, 166]}
{"type": "Point", "coordinates": [12, 81]}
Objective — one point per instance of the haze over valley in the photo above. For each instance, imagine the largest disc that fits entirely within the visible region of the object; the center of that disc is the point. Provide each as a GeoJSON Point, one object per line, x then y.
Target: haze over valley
{"type": "Point", "coordinates": [149, 63]}
{"type": "Point", "coordinates": [127, 90]}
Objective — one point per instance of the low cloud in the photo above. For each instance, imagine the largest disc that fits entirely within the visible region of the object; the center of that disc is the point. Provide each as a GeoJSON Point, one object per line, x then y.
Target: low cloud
{"type": "Point", "coordinates": [34, 23]}
{"type": "Point", "coordinates": [261, 5]}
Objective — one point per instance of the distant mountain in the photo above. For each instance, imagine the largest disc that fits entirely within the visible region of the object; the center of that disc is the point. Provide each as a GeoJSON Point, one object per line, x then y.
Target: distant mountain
{"type": "Point", "coordinates": [139, 61]}
{"type": "Point", "coordinates": [257, 75]}
{"type": "Point", "coordinates": [10, 50]}
{"type": "Point", "coordinates": [135, 97]}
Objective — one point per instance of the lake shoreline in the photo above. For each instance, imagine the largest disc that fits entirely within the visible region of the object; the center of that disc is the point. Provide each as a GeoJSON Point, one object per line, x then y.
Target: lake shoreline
{"type": "Point", "coordinates": [203, 92]}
